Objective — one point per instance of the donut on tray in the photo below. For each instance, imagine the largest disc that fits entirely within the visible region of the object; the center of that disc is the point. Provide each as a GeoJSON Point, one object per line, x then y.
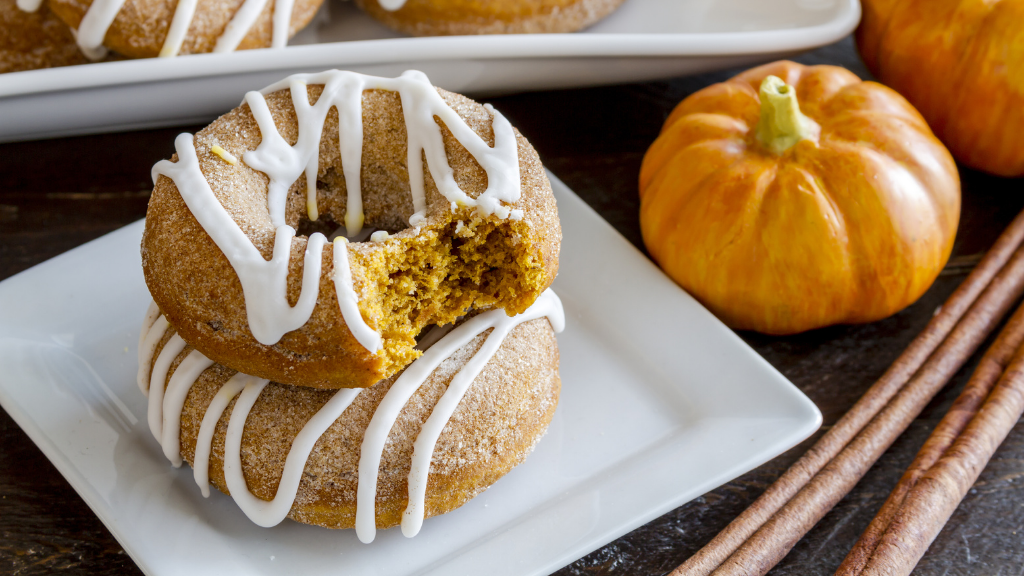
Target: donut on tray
{"type": "Point", "coordinates": [418, 444]}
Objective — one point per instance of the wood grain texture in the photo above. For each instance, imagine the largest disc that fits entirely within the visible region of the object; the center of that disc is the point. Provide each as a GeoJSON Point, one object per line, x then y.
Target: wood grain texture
{"type": "Point", "coordinates": [57, 194]}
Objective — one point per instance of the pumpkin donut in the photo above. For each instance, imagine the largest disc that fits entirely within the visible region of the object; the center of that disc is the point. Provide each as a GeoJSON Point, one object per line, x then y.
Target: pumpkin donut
{"type": "Point", "coordinates": [149, 28]}
{"type": "Point", "coordinates": [34, 40]}
{"type": "Point", "coordinates": [418, 444]}
{"type": "Point", "coordinates": [475, 226]}
{"type": "Point", "coordinates": [459, 17]}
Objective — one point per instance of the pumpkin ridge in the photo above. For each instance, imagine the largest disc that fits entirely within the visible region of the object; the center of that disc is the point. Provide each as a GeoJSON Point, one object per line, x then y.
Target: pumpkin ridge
{"type": "Point", "coordinates": [749, 217]}
{"type": "Point", "coordinates": [783, 261]}
{"type": "Point", "coordinates": [913, 165]}
{"type": "Point", "coordinates": [915, 123]}
{"type": "Point", "coordinates": [708, 103]}
{"type": "Point", "coordinates": [656, 159]}
{"type": "Point", "coordinates": [831, 192]}
{"type": "Point", "coordinates": [678, 204]}
{"type": "Point", "coordinates": [814, 94]}
{"type": "Point", "coordinates": [869, 269]}
{"type": "Point", "coordinates": [723, 144]}
{"type": "Point", "coordinates": [663, 220]}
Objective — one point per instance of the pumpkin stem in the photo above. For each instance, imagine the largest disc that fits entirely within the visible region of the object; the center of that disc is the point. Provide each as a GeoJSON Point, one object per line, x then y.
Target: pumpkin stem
{"type": "Point", "coordinates": [782, 124]}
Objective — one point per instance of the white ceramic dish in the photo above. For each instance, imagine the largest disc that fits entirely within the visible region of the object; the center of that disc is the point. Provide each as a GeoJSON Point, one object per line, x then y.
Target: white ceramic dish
{"type": "Point", "coordinates": [660, 403]}
{"type": "Point", "coordinates": [643, 40]}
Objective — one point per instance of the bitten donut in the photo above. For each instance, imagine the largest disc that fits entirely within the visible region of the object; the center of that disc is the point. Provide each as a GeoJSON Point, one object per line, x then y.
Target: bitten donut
{"type": "Point", "coordinates": [148, 28]}
{"type": "Point", "coordinates": [457, 17]}
{"type": "Point", "coordinates": [34, 40]}
{"type": "Point", "coordinates": [466, 216]}
{"type": "Point", "coordinates": [415, 445]}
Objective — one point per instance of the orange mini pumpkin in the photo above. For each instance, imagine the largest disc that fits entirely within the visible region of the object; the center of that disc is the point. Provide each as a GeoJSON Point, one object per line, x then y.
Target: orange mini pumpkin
{"type": "Point", "coordinates": [961, 63]}
{"type": "Point", "coordinates": [782, 221]}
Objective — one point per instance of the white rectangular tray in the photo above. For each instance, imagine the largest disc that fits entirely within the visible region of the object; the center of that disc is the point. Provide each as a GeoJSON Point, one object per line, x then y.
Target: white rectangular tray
{"type": "Point", "coordinates": [660, 403]}
{"type": "Point", "coordinates": [643, 40]}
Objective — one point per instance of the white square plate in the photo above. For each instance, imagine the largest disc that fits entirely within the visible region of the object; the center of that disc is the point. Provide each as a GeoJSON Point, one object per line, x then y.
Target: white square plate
{"type": "Point", "coordinates": [660, 403]}
{"type": "Point", "coordinates": [642, 40]}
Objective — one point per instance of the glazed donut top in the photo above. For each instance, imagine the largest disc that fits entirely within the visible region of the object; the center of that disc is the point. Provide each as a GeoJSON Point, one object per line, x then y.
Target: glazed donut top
{"type": "Point", "coordinates": [441, 343]}
{"type": "Point", "coordinates": [272, 307]}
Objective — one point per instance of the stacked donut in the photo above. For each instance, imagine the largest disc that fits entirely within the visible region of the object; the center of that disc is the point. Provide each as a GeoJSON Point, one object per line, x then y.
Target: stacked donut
{"type": "Point", "coordinates": [34, 34]}
{"type": "Point", "coordinates": [339, 382]}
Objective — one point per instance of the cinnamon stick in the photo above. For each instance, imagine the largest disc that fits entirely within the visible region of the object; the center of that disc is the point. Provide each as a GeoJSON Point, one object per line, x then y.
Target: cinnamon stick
{"type": "Point", "coordinates": [964, 408]}
{"type": "Point", "coordinates": [939, 491]}
{"type": "Point", "coordinates": [829, 445]}
{"type": "Point", "coordinates": [772, 541]}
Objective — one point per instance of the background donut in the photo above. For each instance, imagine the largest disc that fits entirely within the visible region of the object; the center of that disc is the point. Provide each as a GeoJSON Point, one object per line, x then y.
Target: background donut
{"type": "Point", "coordinates": [141, 26]}
{"type": "Point", "coordinates": [458, 17]}
{"type": "Point", "coordinates": [31, 40]}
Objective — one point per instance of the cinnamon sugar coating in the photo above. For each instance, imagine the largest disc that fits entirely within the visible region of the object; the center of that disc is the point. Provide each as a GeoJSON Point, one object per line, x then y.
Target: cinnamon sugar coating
{"type": "Point", "coordinates": [141, 26]}
{"type": "Point", "coordinates": [496, 425]}
{"type": "Point", "coordinates": [453, 262]}
{"type": "Point", "coordinates": [458, 17]}
{"type": "Point", "coordinates": [31, 40]}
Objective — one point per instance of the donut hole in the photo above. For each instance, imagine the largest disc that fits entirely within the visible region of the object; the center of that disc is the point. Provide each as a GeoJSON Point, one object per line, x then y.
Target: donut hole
{"type": "Point", "coordinates": [326, 226]}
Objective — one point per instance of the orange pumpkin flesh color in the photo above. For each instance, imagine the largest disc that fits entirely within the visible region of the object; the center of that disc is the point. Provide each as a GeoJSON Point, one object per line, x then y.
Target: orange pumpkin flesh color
{"type": "Point", "coordinates": [961, 63]}
{"type": "Point", "coordinates": [822, 200]}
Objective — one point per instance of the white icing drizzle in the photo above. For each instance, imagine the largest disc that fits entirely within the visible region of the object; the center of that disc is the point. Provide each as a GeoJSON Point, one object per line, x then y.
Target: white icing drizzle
{"type": "Point", "coordinates": [157, 378]}
{"type": "Point", "coordinates": [392, 5]}
{"type": "Point", "coordinates": [409, 382]}
{"type": "Point", "coordinates": [282, 20]}
{"type": "Point", "coordinates": [147, 347]}
{"type": "Point", "coordinates": [152, 313]}
{"type": "Point", "coordinates": [185, 375]}
{"type": "Point", "coordinates": [262, 512]}
{"type": "Point", "coordinates": [29, 5]}
{"type": "Point", "coordinates": [239, 26]}
{"type": "Point", "coordinates": [183, 14]}
{"type": "Point", "coordinates": [248, 388]}
{"type": "Point", "coordinates": [264, 282]}
{"type": "Point", "coordinates": [94, 25]}
{"type": "Point", "coordinates": [348, 301]}
{"type": "Point", "coordinates": [204, 441]}
{"type": "Point", "coordinates": [101, 14]}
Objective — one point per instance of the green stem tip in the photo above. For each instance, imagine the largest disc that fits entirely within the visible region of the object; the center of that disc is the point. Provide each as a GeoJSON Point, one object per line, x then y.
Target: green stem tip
{"type": "Point", "coordinates": [782, 124]}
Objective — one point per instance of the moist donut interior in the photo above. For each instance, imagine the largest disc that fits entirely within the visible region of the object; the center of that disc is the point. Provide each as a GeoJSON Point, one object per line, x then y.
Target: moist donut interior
{"type": "Point", "coordinates": [450, 267]}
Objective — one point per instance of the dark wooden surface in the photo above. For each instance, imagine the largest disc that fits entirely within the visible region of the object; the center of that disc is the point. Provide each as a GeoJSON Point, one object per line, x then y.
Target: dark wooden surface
{"type": "Point", "coordinates": [57, 194]}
